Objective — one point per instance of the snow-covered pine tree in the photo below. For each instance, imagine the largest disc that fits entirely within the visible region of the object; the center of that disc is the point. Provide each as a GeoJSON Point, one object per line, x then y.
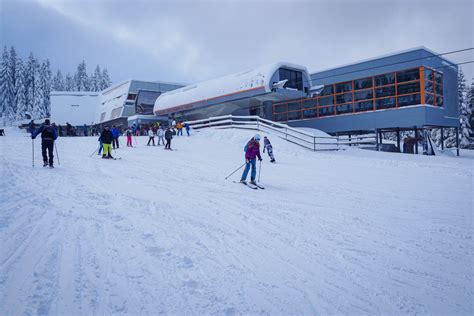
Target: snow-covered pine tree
{"type": "Point", "coordinates": [39, 112]}
{"type": "Point", "coordinates": [466, 119]}
{"type": "Point", "coordinates": [58, 82]}
{"type": "Point", "coordinates": [105, 80]}
{"type": "Point", "coordinates": [6, 87]}
{"type": "Point", "coordinates": [45, 86]}
{"type": "Point", "coordinates": [29, 82]}
{"type": "Point", "coordinates": [81, 79]}
{"type": "Point", "coordinates": [20, 102]}
{"type": "Point", "coordinates": [95, 79]}
{"type": "Point", "coordinates": [13, 64]}
{"type": "Point", "coordinates": [69, 83]}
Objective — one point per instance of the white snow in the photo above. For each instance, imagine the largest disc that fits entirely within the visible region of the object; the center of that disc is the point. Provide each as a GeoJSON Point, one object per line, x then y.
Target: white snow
{"type": "Point", "coordinates": [347, 232]}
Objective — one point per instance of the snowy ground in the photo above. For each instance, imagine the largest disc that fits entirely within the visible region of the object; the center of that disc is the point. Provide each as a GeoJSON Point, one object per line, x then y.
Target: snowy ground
{"type": "Point", "coordinates": [348, 232]}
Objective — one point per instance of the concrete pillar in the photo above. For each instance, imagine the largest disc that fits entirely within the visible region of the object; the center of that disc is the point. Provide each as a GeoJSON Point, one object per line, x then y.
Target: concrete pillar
{"type": "Point", "coordinates": [457, 141]}
{"type": "Point", "coordinates": [398, 138]}
{"type": "Point", "coordinates": [416, 140]}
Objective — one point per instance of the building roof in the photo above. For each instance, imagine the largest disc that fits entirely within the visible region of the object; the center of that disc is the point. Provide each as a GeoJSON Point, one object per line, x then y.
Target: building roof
{"type": "Point", "coordinates": [227, 85]}
{"type": "Point", "coordinates": [74, 93]}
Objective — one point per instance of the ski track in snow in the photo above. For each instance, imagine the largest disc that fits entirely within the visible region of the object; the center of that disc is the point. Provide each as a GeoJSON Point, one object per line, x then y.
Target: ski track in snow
{"type": "Point", "coordinates": [158, 232]}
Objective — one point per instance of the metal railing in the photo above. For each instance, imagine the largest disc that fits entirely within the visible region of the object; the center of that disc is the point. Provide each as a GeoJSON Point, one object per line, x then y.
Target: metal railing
{"type": "Point", "coordinates": [288, 133]}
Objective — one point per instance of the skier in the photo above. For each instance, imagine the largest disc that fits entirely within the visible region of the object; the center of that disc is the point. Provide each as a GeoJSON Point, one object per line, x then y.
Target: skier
{"type": "Point", "coordinates": [268, 146]}
{"type": "Point", "coordinates": [168, 136]}
{"type": "Point", "coordinates": [48, 136]}
{"type": "Point", "coordinates": [151, 137]}
{"type": "Point", "coordinates": [115, 136]}
{"type": "Point", "coordinates": [179, 126]}
{"type": "Point", "coordinates": [186, 125]}
{"type": "Point", "coordinates": [106, 138]}
{"type": "Point", "coordinates": [128, 132]}
{"type": "Point", "coordinates": [161, 135]}
{"type": "Point", "coordinates": [252, 151]}
{"type": "Point", "coordinates": [101, 145]}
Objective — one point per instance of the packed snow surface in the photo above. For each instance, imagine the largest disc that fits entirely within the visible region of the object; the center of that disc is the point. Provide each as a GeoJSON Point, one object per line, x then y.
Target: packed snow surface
{"type": "Point", "coordinates": [347, 232]}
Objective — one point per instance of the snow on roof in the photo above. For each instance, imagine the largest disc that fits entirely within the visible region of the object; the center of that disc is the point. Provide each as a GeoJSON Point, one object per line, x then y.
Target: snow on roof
{"type": "Point", "coordinates": [239, 82]}
{"type": "Point", "coordinates": [74, 93]}
{"type": "Point", "coordinates": [385, 56]}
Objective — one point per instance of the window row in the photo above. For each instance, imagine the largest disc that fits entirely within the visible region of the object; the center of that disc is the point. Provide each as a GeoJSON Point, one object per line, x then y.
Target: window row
{"type": "Point", "coordinates": [363, 106]}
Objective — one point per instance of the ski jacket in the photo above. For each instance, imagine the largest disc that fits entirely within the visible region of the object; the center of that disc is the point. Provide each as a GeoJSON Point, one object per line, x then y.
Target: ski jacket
{"type": "Point", "coordinates": [150, 133]}
{"type": "Point", "coordinates": [266, 144]}
{"type": "Point", "coordinates": [106, 137]}
{"type": "Point", "coordinates": [128, 132]}
{"type": "Point", "coordinates": [253, 150]}
{"type": "Point", "coordinates": [187, 127]}
{"type": "Point", "coordinates": [161, 132]}
{"type": "Point", "coordinates": [115, 132]}
{"type": "Point", "coordinates": [168, 134]}
{"type": "Point", "coordinates": [47, 132]}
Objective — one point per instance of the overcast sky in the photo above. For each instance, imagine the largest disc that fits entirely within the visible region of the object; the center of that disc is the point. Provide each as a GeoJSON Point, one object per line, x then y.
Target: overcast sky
{"type": "Point", "coordinates": [189, 41]}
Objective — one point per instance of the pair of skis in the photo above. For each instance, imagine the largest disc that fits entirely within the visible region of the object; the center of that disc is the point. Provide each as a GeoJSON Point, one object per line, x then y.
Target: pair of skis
{"type": "Point", "coordinates": [251, 185]}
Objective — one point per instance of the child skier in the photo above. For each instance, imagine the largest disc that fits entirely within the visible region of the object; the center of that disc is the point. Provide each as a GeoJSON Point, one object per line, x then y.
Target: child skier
{"type": "Point", "coordinates": [252, 151]}
{"type": "Point", "coordinates": [48, 136]}
{"type": "Point", "coordinates": [268, 146]}
{"type": "Point", "coordinates": [168, 137]}
{"type": "Point", "coordinates": [106, 138]}
{"type": "Point", "coordinates": [128, 132]}
{"type": "Point", "coordinates": [151, 137]}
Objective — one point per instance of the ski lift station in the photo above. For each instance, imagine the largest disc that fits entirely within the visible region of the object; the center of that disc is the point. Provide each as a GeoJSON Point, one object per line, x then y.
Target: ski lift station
{"type": "Point", "coordinates": [413, 90]}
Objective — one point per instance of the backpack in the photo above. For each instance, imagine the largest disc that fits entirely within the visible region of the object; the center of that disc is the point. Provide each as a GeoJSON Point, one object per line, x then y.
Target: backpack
{"type": "Point", "coordinates": [47, 132]}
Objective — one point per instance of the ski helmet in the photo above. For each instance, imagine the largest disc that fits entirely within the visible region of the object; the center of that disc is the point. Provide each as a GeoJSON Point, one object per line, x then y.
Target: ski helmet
{"type": "Point", "coordinates": [257, 137]}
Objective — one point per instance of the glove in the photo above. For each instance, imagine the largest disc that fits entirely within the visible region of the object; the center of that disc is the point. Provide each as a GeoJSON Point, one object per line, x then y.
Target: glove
{"type": "Point", "coordinates": [32, 137]}
{"type": "Point", "coordinates": [264, 150]}
{"type": "Point", "coordinates": [259, 159]}
{"type": "Point", "coordinates": [247, 161]}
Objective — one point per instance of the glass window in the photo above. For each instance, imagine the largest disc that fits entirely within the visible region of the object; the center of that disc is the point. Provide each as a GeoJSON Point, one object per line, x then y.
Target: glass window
{"type": "Point", "coordinates": [279, 108]}
{"type": "Point", "coordinates": [383, 80]}
{"type": "Point", "coordinates": [295, 78]}
{"type": "Point", "coordinates": [439, 89]}
{"type": "Point", "coordinates": [102, 116]}
{"type": "Point", "coordinates": [327, 90]}
{"type": "Point", "coordinates": [364, 106]}
{"type": "Point", "coordinates": [408, 75]}
{"type": "Point", "coordinates": [385, 103]}
{"type": "Point", "coordinates": [310, 103]}
{"type": "Point", "coordinates": [406, 100]}
{"type": "Point", "coordinates": [429, 86]}
{"type": "Point", "coordinates": [294, 115]}
{"type": "Point", "coordinates": [294, 106]}
{"type": "Point", "coordinates": [326, 101]}
{"type": "Point", "coordinates": [438, 78]}
{"type": "Point", "coordinates": [385, 92]}
{"type": "Point", "coordinates": [146, 101]}
{"type": "Point", "coordinates": [131, 96]}
{"type": "Point", "coordinates": [326, 111]}
{"type": "Point", "coordinates": [343, 87]}
{"type": "Point", "coordinates": [343, 98]}
{"type": "Point", "coordinates": [439, 101]}
{"type": "Point", "coordinates": [408, 88]}
{"type": "Point", "coordinates": [363, 95]}
{"type": "Point", "coordinates": [429, 98]}
{"type": "Point", "coordinates": [346, 108]}
{"type": "Point", "coordinates": [429, 74]}
{"type": "Point", "coordinates": [280, 117]}
{"type": "Point", "coordinates": [363, 83]}
{"type": "Point", "coordinates": [309, 113]}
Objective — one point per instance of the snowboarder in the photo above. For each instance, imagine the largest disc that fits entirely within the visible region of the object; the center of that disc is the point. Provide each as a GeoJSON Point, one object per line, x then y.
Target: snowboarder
{"type": "Point", "coordinates": [268, 146]}
{"type": "Point", "coordinates": [115, 136]}
{"type": "Point", "coordinates": [161, 135]}
{"type": "Point", "coordinates": [252, 151]}
{"type": "Point", "coordinates": [168, 137]}
{"type": "Point", "coordinates": [128, 132]}
{"type": "Point", "coordinates": [151, 137]}
{"type": "Point", "coordinates": [106, 138]}
{"type": "Point", "coordinates": [48, 136]}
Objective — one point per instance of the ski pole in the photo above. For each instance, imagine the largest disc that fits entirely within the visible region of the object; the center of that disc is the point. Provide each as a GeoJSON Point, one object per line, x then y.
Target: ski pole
{"type": "Point", "coordinates": [33, 151]}
{"type": "Point", "coordinates": [259, 170]}
{"type": "Point", "coordinates": [235, 170]}
{"type": "Point", "coordinates": [57, 156]}
{"type": "Point", "coordinates": [95, 151]}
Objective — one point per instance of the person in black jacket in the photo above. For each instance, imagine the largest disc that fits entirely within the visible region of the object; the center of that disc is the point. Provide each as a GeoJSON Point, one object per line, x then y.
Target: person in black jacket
{"type": "Point", "coordinates": [106, 138]}
{"type": "Point", "coordinates": [48, 136]}
{"type": "Point", "coordinates": [168, 137]}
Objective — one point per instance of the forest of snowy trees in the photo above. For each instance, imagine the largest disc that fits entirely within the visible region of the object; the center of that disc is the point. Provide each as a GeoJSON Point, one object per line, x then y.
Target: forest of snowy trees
{"type": "Point", "coordinates": [25, 86]}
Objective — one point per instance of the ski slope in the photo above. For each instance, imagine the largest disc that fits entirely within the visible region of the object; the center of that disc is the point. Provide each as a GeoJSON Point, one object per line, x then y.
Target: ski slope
{"type": "Point", "coordinates": [162, 232]}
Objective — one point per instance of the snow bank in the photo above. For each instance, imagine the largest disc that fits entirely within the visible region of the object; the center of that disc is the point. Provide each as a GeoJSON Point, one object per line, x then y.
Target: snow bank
{"type": "Point", "coordinates": [348, 232]}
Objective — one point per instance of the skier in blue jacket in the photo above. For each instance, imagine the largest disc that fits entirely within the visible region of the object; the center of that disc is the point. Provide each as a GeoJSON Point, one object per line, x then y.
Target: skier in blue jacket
{"type": "Point", "coordinates": [48, 136]}
{"type": "Point", "coordinates": [115, 136]}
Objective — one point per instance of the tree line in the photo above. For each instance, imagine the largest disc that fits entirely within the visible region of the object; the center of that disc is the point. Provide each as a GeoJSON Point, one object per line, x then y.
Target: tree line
{"type": "Point", "coordinates": [25, 86]}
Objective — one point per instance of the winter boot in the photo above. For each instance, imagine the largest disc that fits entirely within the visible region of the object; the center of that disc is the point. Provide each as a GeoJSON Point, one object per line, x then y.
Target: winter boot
{"type": "Point", "coordinates": [253, 182]}
{"type": "Point", "coordinates": [104, 156]}
{"type": "Point", "coordinates": [51, 166]}
{"type": "Point", "coordinates": [45, 163]}
{"type": "Point", "coordinates": [110, 156]}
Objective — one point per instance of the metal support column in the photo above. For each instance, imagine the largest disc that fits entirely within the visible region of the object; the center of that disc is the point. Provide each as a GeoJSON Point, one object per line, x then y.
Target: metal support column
{"type": "Point", "coordinates": [457, 141]}
{"type": "Point", "coordinates": [380, 137]}
{"type": "Point", "coordinates": [442, 138]}
{"type": "Point", "coordinates": [398, 139]}
{"type": "Point", "coordinates": [377, 139]}
{"type": "Point", "coordinates": [416, 140]}
{"type": "Point", "coordinates": [350, 140]}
